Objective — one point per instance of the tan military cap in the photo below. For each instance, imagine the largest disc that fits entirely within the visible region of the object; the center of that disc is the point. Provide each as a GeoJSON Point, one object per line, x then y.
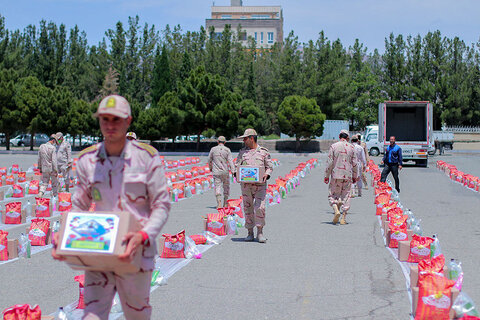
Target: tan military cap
{"type": "Point", "coordinates": [114, 105]}
{"type": "Point", "coordinates": [345, 131]}
{"type": "Point", "coordinates": [248, 133]}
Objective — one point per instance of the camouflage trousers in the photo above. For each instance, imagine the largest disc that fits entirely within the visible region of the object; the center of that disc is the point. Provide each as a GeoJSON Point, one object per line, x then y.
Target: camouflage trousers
{"type": "Point", "coordinates": [222, 180]}
{"type": "Point", "coordinates": [133, 290]}
{"type": "Point", "coordinates": [339, 193]}
{"type": "Point", "coordinates": [254, 204]}
{"type": "Point", "coordinates": [46, 177]}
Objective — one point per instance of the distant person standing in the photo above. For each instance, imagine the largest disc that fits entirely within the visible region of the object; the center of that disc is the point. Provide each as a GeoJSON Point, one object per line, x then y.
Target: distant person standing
{"type": "Point", "coordinates": [393, 162]}
{"type": "Point", "coordinates": [220, 162]}
{"type": "Point", "coordinates": [64, 159]}
{"type": "Point", "coordinates": [342, 169]}
{"type": "Point", "coordinates": [367, 159]}
{"type": "Point", "coordinates": [47, 163]}
{"type": "Point", "coordinates": [131, 136]}
{"type": "Point", "coordinates": [361, 164]}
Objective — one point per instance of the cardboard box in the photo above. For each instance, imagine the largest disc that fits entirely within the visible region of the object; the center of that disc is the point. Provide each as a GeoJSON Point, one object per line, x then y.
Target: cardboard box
{"type": "Point", "coordinates": [414, 275]}
{"type": "Point", "coordinates": [2, 195]}
{"type": "Point", "coordinates": [384, 218]}
{"type": "Point", "coordinates": [415, 293]}
{"type": "Point", "coordinates": [250, 174]}
{"type": "Point", "coordinates": [403, 250]}
{"type": "Point", "coordinates": [93, 241]}
{"type": "Point", "coordinates": [12, 248]}
{"type": "Point", "coordinates": [24, 217]}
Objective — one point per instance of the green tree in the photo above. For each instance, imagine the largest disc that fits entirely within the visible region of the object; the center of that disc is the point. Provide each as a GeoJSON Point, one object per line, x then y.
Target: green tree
{"type": "Point", "coordinates": [301, 117]}
{"type": "Point", "coordinates": [251, 116]}
{"type": "Point", "coordinates": [10, 115]}
{"type": "Point", "coordinates": [162, 81]}
{"type": "Point", "coordinates": [223, 119]}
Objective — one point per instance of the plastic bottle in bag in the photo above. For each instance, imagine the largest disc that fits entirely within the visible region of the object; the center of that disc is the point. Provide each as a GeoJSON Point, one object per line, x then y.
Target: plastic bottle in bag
{"type": "Point", "coordinates": [56, 226]}
{"type": "Point", "coordinates": [212, 238]}
{"type": "Point", "coordinates": [464, 306]}
{"type": "Point", "coordinates": [158, 278]}
{"type": "Point", "coordinates": [191, 250]}
{"type": "Point", "coordinates": [9, 192]}
{"type": "Point", "coordinates": [116, 305]}
{"type": "Point", "coordinates": [61, 314]}
{"type": "Point", "coordinates": [231, 225]}
{"type": "Point", "coordinates": [435, 249]}
{"type": "Point", "coordinates": [455, 273]}
{"type": "Point", "coordinates": [188, 191]}
{"type": "Point", "coordinates": [53, 201]}
{"type": "Point", "coordinates": [416, 228]}
{"type": "Point", "coordinates": [283, 192]}
{"type": "Point", "coordinates": [198, 188]}
{"type": "Point", "coordinates": [28, 209]}
{"type": "Point", "coordinates": [24, 247]}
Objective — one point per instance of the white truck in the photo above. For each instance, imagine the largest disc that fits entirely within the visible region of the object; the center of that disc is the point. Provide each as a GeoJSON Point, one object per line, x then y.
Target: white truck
{"type": "Point", "coordinates": [440, 141]}
{"type": "Point", "coordinates": [411, 124]}
{"type": "Point", "coordinates": [374, 147]}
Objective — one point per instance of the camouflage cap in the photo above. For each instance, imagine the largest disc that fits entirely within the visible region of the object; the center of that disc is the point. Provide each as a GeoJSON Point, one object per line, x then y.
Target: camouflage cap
{"type": "Point", "coordinates": [345, 131]}
{"type": "Point", "coordinates": [248, 133]}
{"type": "Point", "coordinates": [59, 136]}
{"type": "Point", "coordinates": [222, 139]}
{"type": "Point", "coordinates": [115, 106]}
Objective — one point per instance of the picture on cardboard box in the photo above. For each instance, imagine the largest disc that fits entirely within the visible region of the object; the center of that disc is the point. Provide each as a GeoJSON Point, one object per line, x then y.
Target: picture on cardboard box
{"type": "Point", "coordinates": [89, 232]}
{"type": "Point", "coordinates": [249, 174]}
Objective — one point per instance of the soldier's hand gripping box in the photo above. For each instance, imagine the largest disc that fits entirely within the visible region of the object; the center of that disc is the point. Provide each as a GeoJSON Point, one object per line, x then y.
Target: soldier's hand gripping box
{"type": "Point", "coordinates": [250, 174]}
{"type": "Point", "coordinates": [93, 241]}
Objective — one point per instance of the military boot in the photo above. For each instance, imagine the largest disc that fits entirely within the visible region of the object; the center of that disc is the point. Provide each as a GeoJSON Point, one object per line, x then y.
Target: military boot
{"type": "Point", "coordinates": [250, 237]}
{"type": "Point", "coordinates": [337, 213]}
{"type": "Point", "coordinates": [260, 237]}
{"type": "Point", "coordinates": [343, 220]}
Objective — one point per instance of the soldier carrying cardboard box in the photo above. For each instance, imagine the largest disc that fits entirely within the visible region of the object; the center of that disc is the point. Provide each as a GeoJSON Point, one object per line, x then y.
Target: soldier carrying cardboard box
{"type": "Point", "coordinates": [122, 175]}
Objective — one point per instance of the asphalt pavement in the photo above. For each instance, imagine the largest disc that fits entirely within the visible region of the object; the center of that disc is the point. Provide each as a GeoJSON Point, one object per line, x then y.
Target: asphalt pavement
{"type": "Point", "coordinates": [308, 269]}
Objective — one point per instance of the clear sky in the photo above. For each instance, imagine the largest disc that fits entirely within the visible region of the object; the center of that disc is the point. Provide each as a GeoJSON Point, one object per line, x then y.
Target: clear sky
{"type": "Point", "coordinates": [368, 20]}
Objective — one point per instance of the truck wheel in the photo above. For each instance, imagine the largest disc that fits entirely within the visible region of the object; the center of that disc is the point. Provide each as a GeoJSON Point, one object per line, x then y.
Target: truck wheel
{"type": "Point", "coordinates": [432, 153]}
{"type": "Point", "coordinates": [374, 152]}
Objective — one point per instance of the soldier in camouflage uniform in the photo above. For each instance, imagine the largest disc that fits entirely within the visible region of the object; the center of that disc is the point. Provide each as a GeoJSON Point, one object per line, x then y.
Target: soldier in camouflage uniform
{"type": "Point", "coordinates": [254, 193]}
{"type": "Point", "coordinates": [220, 162]}
{"type": "Point", "coordinates": [64, 158]}
{"type": "Point", "coordinates": [47, 163]}
{"type": "Point", "coordinates": [342, 168]}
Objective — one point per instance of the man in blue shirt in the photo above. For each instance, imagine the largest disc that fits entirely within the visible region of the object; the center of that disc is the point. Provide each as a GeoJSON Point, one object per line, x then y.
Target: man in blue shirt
{"type": "Point", "coordinates": [393, 162]}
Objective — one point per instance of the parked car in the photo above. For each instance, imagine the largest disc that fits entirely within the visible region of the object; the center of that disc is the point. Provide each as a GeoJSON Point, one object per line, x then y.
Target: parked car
{"type": "Point", "coordinates": [24, 139]}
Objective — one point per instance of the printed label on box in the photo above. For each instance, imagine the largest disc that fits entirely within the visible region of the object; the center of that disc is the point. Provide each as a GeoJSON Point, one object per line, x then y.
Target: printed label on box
{"type": "Point", "coordinates": [249, 174]}
{"type": "Point", "coordinates": [89, 232]}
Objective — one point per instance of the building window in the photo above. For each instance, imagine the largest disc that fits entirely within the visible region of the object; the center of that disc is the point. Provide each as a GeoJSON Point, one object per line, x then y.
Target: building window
{"type": "Point", "coordinates": [217, 36]}
{"type": "Point", "coordinates": [227, 16]}
{"type": "Point", "coordinates": [242, 36]}
{"type": "Point", "coordinates": [261, 37]}
{"type": "Point", "coordinates": [256, 37]}
{"type": "Point", "coordinates": [270, 37]}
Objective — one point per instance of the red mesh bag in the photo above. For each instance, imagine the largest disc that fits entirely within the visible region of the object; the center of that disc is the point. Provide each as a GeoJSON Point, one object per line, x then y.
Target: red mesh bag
{"type": "Point", "coordinates": [237, 204]}
{"type": "Point", "coordinates": [174, 245]}
{"type": "Point", "coordinates": [383, 197]}
{"type": "Point", "coordinates": [64, 201]}
{"type": "Point", "coordinates": [3, 171]}
{"type": "Point", "coordinates": [434, 298]}
{"type": "Point", "coordinates": [81, 287]}
{"type": "Point", "coordinates": [13, 213]}
{"type": "Point", "coordinates": [432, 265]}
{"type": "Point", "coordinates": [419, 248]}
{"type": "Point", "coordinates": [226, 211]}
{"type": "Point", "coordinates": [22, 312]}
{"type": "Point", "coordinates": [22, 177]}
{"type": "Point", "coordinates": [38, 232]}
{"type": "Point", "coordinates": [33, 187]}
{"type": "Point", "coordinates": [42, 208]}
{"type": "Point", "coordinates": [215, 224]}
{"type": "Point", "coordinates": [397, 234]}
{"type": "Point", "coordinates": [181, 189]}
{"type": "Point", "coordinates": [15, 168]}
{"type": "Point", "coordinates": [394, 213]}
{"type": "Point", "coordinates": [199, 239]}
{"type": "Point", "coordinates": [17, 191]}
{"type": "Point", "coordinates": [3, 245]}
{"type": "Point", "coordinates": [9, 180]}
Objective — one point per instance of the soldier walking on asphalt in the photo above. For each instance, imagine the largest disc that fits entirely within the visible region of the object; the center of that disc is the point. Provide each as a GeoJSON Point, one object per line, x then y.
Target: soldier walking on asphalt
{"type": "Point", "coordinates": [361, 164]}
{"type": "Point", "coordinates": [122, 175]}
{"type": "Point", "coordinates": [47, 163]}
{"type": "Point", "coordinates": [254, 194]}
{"type": "Point", "coordinates": [64, 159]}
{"type": "Point", "coordinates": [220, 162]}
{"type": "Point", "coordinates": [393, 162]}
{"type": "Point", "coordinates": [342, 169]}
